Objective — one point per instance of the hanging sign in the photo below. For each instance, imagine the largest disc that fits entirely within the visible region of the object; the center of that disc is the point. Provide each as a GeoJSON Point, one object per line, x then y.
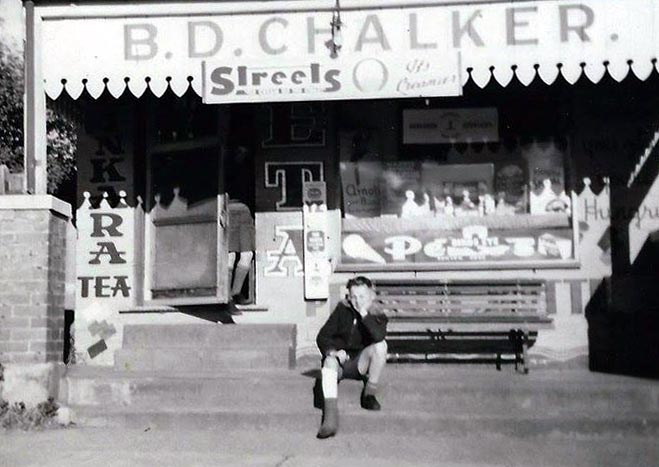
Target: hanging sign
{"type": "Point", "coordinates": [414, 74]}
{"type": "Point", "coordinates": [442, 126]}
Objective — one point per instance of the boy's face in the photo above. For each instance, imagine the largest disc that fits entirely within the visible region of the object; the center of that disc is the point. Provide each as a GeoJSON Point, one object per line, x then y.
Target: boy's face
{"type": "Point", "coordinates": [361, 297]}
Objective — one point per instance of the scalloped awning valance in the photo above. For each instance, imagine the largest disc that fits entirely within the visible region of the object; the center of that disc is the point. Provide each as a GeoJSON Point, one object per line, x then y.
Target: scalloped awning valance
{"type": "Point", "coordinates": [269, 54]}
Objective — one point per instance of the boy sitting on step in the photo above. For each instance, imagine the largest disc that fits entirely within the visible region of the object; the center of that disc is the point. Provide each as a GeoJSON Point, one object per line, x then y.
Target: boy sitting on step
{"type": "Point", "coordinates": [352, 345]}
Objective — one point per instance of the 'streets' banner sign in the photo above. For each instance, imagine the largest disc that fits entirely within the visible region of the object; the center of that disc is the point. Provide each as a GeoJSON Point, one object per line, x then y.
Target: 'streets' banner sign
{"type": "Point", "coordinates": [323, 78]}
{"type": "Point", "coordinates": [284, 52]}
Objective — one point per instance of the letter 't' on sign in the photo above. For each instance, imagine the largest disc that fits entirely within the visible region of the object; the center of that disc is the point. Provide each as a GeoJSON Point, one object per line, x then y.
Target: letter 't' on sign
{"type": "Point", "coordinates": [289, 178]}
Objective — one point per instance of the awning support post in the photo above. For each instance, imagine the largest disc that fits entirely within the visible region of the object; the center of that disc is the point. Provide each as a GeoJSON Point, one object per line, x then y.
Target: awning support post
{"type": "Point", "coordinates": [34, 114]}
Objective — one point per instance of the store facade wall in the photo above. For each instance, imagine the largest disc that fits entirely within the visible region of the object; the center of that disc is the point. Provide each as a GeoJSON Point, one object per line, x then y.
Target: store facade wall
{"type": "Point", "coordinates": [528, 115]}
{"type": "Point", "coordinates": [111, 237]}
{"type": "Point", "coordinates": [279, 255]}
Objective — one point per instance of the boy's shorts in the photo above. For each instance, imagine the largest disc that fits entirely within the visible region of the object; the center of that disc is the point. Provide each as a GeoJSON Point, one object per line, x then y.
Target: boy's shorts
{"type": "Point", "coordinates": [350, 368]}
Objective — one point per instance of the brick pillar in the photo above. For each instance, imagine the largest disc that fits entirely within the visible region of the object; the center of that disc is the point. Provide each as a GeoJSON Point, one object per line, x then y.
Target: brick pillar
{"type": "Point", "coordinates": [32, 281]}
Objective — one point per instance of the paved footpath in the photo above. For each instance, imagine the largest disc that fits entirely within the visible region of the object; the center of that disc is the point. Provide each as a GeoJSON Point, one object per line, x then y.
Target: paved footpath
{"type": "Point", "coordinates": [120, 447]}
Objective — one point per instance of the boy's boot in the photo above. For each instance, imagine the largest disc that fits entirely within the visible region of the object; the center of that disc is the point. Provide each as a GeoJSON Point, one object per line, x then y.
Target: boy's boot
{"type": "Point", "coordinates": [318, 398]}
{"type": "Point", "coordinates": [367, 399]}
{"type": "Point", "coordinates": [330, 424]}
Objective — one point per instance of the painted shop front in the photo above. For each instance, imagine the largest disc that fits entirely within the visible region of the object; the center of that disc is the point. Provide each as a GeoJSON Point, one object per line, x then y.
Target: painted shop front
{"type": "Point", "coordinates": [427, 140]}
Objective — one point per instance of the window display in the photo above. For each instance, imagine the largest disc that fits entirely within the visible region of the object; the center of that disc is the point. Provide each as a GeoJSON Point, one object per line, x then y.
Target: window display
{"type": "Point", "coordinates": [529, 179]}
{"type": "Point", "coordinates": [455, 204]}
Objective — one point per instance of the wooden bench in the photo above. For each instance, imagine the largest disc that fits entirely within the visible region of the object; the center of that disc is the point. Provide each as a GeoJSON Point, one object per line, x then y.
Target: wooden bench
{"type": "Point", "coordinates": [463, 320]}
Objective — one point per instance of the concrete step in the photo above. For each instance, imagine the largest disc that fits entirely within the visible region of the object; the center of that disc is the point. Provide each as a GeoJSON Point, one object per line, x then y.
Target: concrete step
{"type": "Point", "coordinates": [417, 401]}
{"type": "Point", "coordinates": [212, 335]}
{"type": "Point", "coordinates": [182, 360]}
{"type": "Point", "coordinates": [357, 421]}
{"type": "Point", "coordinates": [120, 447]}
{"type": "Point", "coordinates": [409, 389]}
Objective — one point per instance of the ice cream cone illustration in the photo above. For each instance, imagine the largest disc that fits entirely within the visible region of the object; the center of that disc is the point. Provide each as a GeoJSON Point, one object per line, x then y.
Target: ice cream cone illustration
{"type": "Point", "coordinates": [356, 247]}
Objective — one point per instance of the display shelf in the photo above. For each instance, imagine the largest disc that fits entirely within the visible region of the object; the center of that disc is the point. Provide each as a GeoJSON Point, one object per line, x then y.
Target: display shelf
{"type": "Point", "coordinates": [460, 266]}
{"type": "Point", "coordinates": [439, 223]}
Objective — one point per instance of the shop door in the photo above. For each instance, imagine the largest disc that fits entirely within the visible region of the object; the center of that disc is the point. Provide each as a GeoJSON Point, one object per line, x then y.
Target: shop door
{"type": "Point", "coordinates": [186, 224]}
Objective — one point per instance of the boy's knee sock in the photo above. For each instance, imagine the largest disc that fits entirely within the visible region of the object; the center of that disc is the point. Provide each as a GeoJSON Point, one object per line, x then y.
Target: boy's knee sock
{"type": "Point", "coordinates": [370, 389]}
{"type": "Point", "coordinates": [329, 381]}
{"type": "Point", "coordinates": [330, 423]}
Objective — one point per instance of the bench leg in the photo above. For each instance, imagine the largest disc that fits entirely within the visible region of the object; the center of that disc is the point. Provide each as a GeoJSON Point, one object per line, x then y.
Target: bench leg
{"type": "Point", "coordinates": [525, 348]}
{"type": "Point", "coordinates": [515, 339]}
{"type": "Point", "coordinates": [498, 362]}
{"type": "Point", "coordinates": [520, 344]}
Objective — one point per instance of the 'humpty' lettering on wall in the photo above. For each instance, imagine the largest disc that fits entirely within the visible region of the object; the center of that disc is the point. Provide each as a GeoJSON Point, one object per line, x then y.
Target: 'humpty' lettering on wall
{"type": "Point", "coordinates": [641, 217]}
{"type": "Point", "coordinates": [593, 212]}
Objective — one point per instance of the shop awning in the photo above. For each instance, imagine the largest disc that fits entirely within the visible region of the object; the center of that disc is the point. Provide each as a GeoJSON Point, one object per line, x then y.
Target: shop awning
{"type": "Point", "coordinates": [279, 50]}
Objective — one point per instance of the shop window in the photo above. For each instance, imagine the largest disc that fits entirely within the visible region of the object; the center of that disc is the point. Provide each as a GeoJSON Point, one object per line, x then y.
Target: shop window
{"type": "Point", "coordinates": [453, 202]}
{"type": "Point", "coordinates": [468, 180]}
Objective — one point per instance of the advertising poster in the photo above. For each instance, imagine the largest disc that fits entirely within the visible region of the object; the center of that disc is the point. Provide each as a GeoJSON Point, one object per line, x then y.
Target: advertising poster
{"type": "Point", "coordinates": [317, 269]}
{"type": "Point", "coordinates": [361, 172]}
{"type": "Point", "coordinates": [545, 161]}
{"type": "Point", "coordinates": [106, 279]}
{"type": "Point", "coordinates": [361, 185]}
{"type": "Point", "coordinates": [470, 244]}
{"type": "Point", "coordinates": [510, 183]}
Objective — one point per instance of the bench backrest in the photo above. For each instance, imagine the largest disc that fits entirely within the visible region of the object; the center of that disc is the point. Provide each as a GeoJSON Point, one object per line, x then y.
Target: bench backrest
{"type": "Point", "coordinates": [492, 298]}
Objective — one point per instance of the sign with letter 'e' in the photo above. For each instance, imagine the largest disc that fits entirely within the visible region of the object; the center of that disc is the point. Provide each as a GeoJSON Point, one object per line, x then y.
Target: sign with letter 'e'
{"type": "Point", "coordinates": [317, 269]}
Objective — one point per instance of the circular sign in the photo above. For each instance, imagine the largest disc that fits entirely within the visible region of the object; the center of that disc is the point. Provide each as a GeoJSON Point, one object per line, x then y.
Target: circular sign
{"type": "Point", "coordinates": [370, 75]}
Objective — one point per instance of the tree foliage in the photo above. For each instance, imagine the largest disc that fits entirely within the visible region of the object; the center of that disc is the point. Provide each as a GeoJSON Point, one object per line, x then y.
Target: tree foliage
{"type": "Point", "coordinates": [61, 130]}
{"type": "Point", "coordinates": [11, 109]}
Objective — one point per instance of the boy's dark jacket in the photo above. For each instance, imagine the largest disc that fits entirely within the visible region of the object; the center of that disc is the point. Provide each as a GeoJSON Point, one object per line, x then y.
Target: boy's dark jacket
{"type": "Point", "coordinates": [345, 329]}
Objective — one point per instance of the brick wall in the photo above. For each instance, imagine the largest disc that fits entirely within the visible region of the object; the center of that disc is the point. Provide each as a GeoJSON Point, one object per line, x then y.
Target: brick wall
{"type": "Point", "coordinates": [32, 281]}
